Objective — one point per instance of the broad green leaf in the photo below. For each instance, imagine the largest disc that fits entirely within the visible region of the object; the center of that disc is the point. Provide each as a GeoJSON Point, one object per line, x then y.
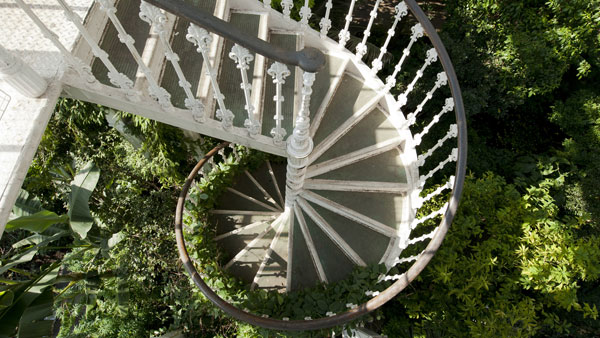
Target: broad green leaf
{"type": "Point", "coordinates": [37, 222]}
{"type": "Point", "coordinates": [24, 295]}
{"type": "Point", "coordinates": [6, 298]}
{"type": "Point", "coordinates": [26, 204]}
{"type": "Point", "coordinates": [32, 323]}
{"type": "Point", "coordinates": [31, 240]}
{"type": "Point", "coordinates": [28, 255]}
{"type": "Point", "coordinates": [81, 189]}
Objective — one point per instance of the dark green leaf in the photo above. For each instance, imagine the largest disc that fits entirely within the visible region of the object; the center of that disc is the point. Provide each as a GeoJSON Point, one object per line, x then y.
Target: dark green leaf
{"type": "Point", "coordinates": [28, 255]}
{"type": "Point", "coordinates": [81, 189]}
{"type": "Point", "coordinates": [6, 298]}
{"type": "Point", "coordinates": [32, 323]}
{"type": "Point", "coordinates": [24, 295]}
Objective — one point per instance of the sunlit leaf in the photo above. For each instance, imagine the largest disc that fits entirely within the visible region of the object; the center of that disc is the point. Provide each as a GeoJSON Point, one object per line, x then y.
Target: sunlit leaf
{"type": "Point", "coordinates": [81, 189]}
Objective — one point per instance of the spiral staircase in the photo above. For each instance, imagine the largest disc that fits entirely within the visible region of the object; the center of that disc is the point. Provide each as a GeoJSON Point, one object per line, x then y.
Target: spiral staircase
{"type": "Point", "coordinates": [354, 171]}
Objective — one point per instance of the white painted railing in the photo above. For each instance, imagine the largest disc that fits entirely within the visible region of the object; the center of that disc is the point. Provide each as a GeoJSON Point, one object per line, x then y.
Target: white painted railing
{"type": "Point", "coordinates": [299, 144]}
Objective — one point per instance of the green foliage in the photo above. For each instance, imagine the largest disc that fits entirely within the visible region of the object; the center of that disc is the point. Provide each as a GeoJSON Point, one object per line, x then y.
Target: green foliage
{"type": "Point", "coordinates": [532, 44]}
{"type": "Point", "coordinates": [26, 303]}
{"type": "Point", "coordinates": [579, 118]}
{"type": "Point", "coordinates": [510, 266]}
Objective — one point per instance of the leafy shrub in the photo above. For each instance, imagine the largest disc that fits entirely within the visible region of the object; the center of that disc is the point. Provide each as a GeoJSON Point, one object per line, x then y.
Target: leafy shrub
{"type": "Point", "coordinates": [510, 266]}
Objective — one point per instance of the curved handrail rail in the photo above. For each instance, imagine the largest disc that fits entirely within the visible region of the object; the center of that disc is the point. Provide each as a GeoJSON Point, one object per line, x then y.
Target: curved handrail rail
{"type": "Point", "coordinates": [407, 277]}
{"type": "Point", "coordinates": [309, 59]}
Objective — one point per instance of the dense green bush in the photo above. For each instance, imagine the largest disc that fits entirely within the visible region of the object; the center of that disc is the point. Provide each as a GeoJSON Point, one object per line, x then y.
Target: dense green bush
{"type": "Point", "coordinates": [510, 266]}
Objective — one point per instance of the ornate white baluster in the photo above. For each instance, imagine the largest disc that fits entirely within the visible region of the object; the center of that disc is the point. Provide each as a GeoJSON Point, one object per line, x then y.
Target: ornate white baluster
{"type": "Point", "coordinates": [361, 48]}
{"type": "Point", "coordinates": [415, 223]}
{"type": "Point", "coordinates": [442, 80]}
{"type": "Point", "coordinates": [325, 22]}
{"type": "Point", "coordinates": [401, 11]}
{"type": "Point", "coordinates": [345, 33]}
{"type": "Point", "coordinates": [405, 260]}
{"type": "Point", "coordinates": [157, 19]}
{"type": "Point", "coordinates": [431, 57]}
{"type": "Point", "coordinates": [242, 58]}
{"type": "Point", "coordinates": [287, 7]}
{"type": "Point", "coordinates": [422, 238]}
{"type": "Point", "coordinates": [267, 3]}
{"type": "Point", "coordinates": [20, 76]}
{"type": "Point", "coordinates": [418, 202]}
{"type": "Point", "coordinates": [279, 72]}
{"type": "Point", "coordinates": [300, 144]}
{"type": "Point", "coordinates": [448, 106]}
{"type": "Point", "coordinates": [305, 13]}
{"type": "Point", "coordinates": [417, 32]}
{"type": "Point", "coordinates": [202, 39]}
{"type": "Point", "coordinates": [155, 91]}
{"type": "Point", "coordinates": [72, 62]}
{"type": "Point", "coordinates": [453, 156]}
{"type": "Point", "coordinates": [452, 132]}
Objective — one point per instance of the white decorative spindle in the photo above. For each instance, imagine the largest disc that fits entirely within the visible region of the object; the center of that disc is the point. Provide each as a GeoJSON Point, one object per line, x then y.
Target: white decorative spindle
{"type": "Point", "coordinates": [155, 91]}
{"type": "Point", "coordinates": [442, 80]}
{"type": "Point", "coordinates": [325, 22]}
{"type": "Point", "coordinates": [452, 158]}
{"type": "Point", "coordinates": [242, 58]}
{"type": "Point", "coordinates": [418, 202]}
{"type": "Point", "coordinates": [287, 7]}
{"type": "Point", "coordinates": [72, 62]}
{"type": "Point", "coordinates": [431, 57]}
{"type": "Point", "coordinates": [448, 106]}
{"type": "Point", "coordinates": [20, 76]}
{"type": "Point", "coordinates": [345, 33]}
{"type": "Point", "coordinates": [267, 3]}
{"type": "Point", "coordinates": [279, 72]}
{"type": "Point", "coordinates": [405, 260]}
{"type": "Point", "coordinates": [417, 221]}
{"type": "Point", "coordinates": [452, 132]}
{"type": "Point", "coordinates": [401, 11]}
{"type": "Point", "coordinates": [158, 20]}
{"type": "Point", "coordinates": [305, 13]}
{"type": "Point", "coordinates": [372, 293]}
{"type": "Point", "coordinates": [361, 48]}
{"type": "Point", "coordinates": [300, 144]}
{"type": "Point", "coordinates": [422, 238]}
{"type": "Point", "coordinates": [417, 32]}
{"type": "Point", "coordinates": [202, 39]}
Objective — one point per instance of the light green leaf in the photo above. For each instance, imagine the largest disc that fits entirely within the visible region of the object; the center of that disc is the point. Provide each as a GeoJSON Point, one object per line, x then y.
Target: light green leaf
{"type": "Point", "coordinates": [26, 204]}
{"type": "Point", "coordinates": [81, 189]}
{"type": "Point", "coordinates": [31, 240]}
{"type": "Point", "coordinates": [37, 222]}
{"type": "Point", "coordinates": [115, 239]}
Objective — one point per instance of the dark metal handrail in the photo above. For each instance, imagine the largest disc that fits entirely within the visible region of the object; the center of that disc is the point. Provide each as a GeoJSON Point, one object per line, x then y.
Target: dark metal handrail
{"type": "Point", "coordinates": [309, 59]}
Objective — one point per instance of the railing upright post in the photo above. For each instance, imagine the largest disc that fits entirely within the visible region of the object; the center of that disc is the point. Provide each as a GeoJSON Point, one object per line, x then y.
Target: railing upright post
{"type": "Point", "coordinates": [20, 76]}
{"type": "Point", "coordinates": [325, 22]}
{"type": "Point", "coordinates": [299, 144]}
{"type": "Point", "coordinates": [279, 72]}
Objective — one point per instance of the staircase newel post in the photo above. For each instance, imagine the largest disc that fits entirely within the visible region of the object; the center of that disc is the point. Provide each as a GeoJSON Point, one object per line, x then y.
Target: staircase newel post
{"type": "Point", "coordinates": [299, 145]}
{"type": "Point", "coordinates": [20, 76]}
